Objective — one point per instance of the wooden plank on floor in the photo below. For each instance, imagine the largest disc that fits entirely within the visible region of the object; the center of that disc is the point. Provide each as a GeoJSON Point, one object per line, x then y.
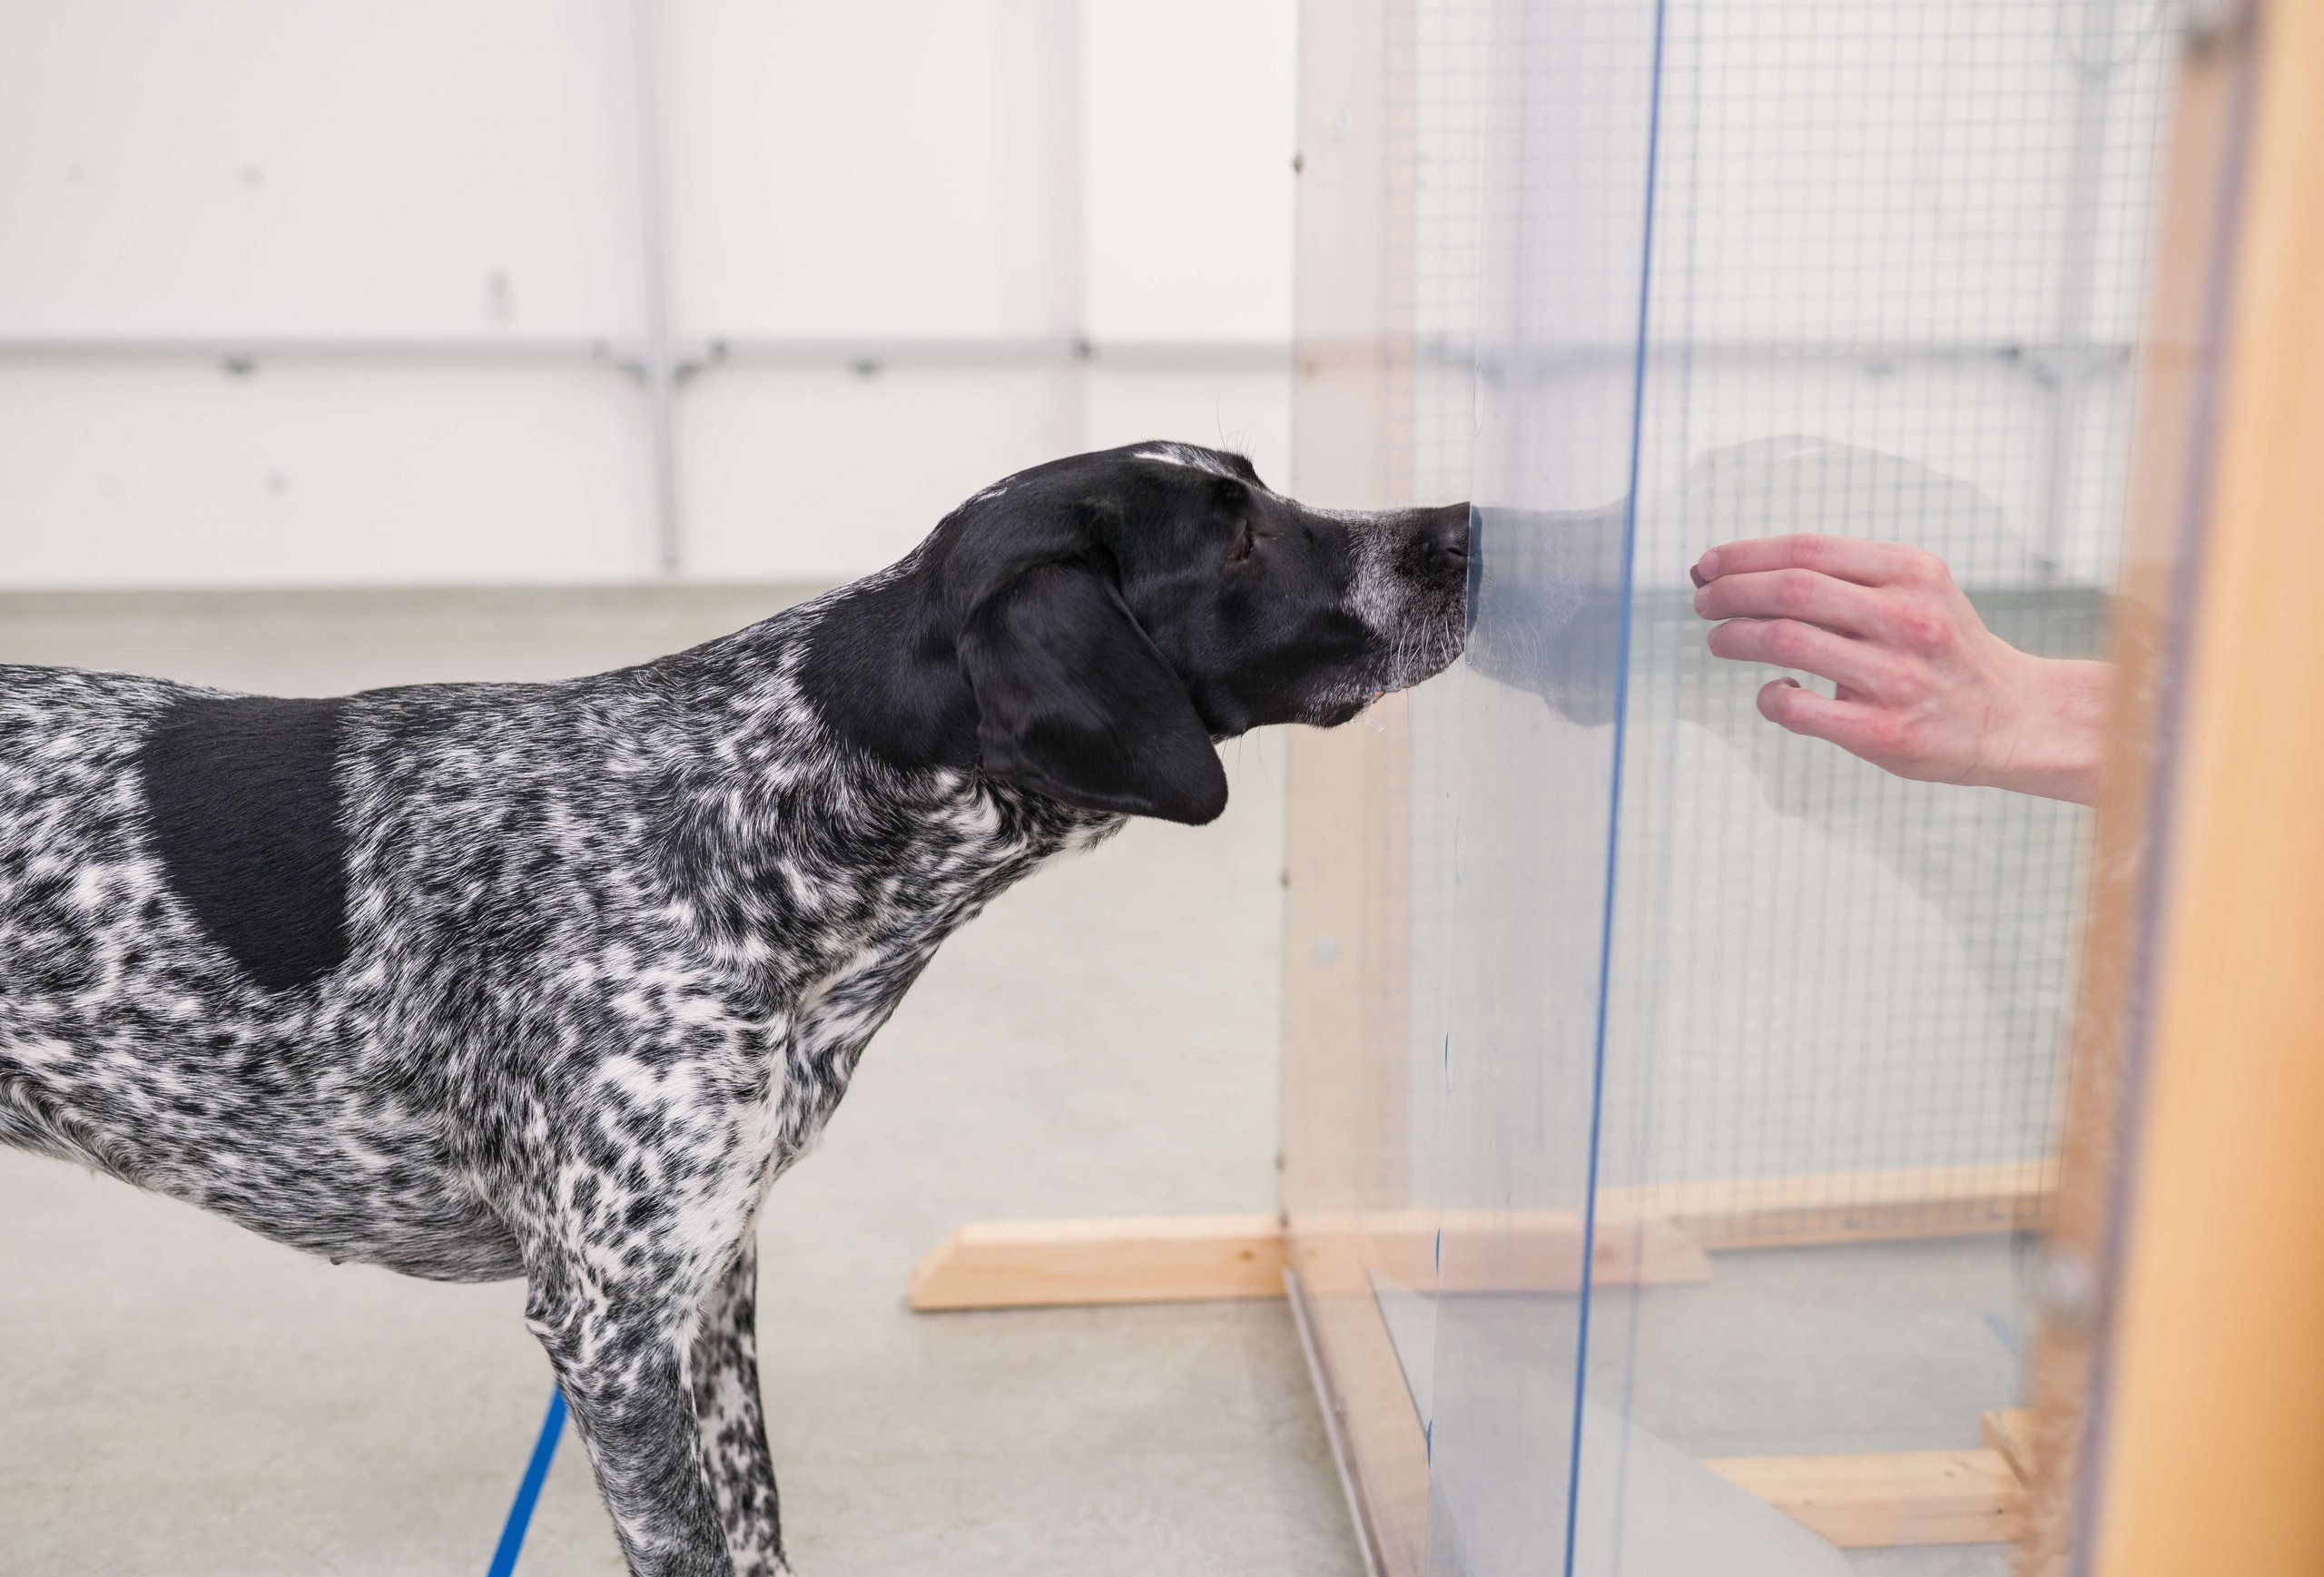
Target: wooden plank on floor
{"type": "Point", "coordinates": [1153, 1260]}
{"type": "Point", "coordinates": [1875, 1499]}
{"type": "Point", "coordinates": [2010, 1431]}
{"type": "Point", "coordinates": [1528, 1251]}
{"type": "Point", "coordinates": [1646, 1236]}
{"type": "Point", "coordinates": [1849, 1207]}
{"type": "Point", "coordinates": [1196, 1258]}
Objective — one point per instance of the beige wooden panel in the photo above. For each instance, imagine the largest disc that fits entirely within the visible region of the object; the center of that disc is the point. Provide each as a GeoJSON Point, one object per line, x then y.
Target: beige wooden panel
{"type": "Point", "coordinates": [1347, 852]}
{"type": "Point", "coordinates": [2215, 1413]}
{"type": "Point", "coordinates": [2175, 359]}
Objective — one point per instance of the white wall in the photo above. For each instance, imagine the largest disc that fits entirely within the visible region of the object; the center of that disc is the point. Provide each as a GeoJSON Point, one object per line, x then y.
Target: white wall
{"type": "Point", "coordinates": [990, 179]}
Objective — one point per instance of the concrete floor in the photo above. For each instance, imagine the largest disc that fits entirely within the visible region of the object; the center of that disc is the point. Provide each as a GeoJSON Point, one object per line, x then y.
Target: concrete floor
{"type": "Point", "coordinates": [178, 1397]}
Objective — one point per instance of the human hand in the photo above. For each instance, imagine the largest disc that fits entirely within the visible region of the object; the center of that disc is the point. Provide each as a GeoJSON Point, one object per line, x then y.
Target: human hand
{"type": "Point", "coordinates": [1924, 690]}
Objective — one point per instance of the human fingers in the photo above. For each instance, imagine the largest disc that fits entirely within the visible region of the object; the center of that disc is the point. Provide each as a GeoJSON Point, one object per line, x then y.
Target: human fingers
{"type": "Point", "coordinates": [1852, 726]}
{"type": "Point", "coordinates": [1792, 594]}
{"type": "Point", "coordinates": [1789, 643]}
{"type": "Point", "coordinates": [1841, 557]}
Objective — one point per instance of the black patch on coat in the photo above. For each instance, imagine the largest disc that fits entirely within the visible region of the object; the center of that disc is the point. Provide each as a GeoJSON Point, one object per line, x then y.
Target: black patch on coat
{"type": "Point", "coordinates": [246, 817]}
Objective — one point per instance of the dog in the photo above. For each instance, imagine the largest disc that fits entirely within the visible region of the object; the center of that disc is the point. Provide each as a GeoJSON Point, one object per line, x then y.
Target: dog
{"type": "Point", "coordinates": [554, 980]}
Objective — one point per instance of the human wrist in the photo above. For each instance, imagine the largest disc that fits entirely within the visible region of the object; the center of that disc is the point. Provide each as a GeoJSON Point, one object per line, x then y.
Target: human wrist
{"type": "Point", "coordinates": [2060, 746]}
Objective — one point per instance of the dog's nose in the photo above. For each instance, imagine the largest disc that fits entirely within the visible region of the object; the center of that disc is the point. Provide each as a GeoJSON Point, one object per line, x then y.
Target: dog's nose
{"type": "Point", "coordinates": [1446, 533]}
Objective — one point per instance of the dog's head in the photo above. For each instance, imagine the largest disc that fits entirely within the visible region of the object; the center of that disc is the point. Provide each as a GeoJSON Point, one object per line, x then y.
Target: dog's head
{"type": "Point", "coordinates": [1089, 628]}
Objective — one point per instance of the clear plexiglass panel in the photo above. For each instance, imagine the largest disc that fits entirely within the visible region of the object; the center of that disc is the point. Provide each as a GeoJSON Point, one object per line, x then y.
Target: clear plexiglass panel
{"type": "Point", "coordinates": [1769, 1039]}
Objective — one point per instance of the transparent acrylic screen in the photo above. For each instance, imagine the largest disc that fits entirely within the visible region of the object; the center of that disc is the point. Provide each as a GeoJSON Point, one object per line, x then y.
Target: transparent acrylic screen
{"type": "Point", "coordinates": [1732, 271]}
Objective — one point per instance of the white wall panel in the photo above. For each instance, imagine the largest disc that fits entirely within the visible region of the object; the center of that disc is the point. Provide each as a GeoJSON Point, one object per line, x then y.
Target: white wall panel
{"type": "Point", "coordinates": [178, 474]}
{"type": "Point", "coordinates": [419, 165]}
{"type": "Point", "coordinates": [1189, 172]}
{"type": "Point", "coordinates": [869, 169]}
{"type": "Point", "coordinates": [891, 170]}
{"type": "Point", "coordinates": [823, 475]}
{"type": "Point", "coordinates": [820, 476]}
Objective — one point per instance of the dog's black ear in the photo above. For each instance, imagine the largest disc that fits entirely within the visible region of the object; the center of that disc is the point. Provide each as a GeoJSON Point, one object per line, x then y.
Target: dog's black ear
{"type": "Point", "coordinates": [1074, 700]}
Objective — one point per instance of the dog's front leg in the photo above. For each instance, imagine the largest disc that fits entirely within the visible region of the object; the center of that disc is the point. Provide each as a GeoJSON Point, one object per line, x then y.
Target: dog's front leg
{"type": "Point", "coordinates": [616, 1346]}
{"type": "Point", "coordinates": [725, 1375]}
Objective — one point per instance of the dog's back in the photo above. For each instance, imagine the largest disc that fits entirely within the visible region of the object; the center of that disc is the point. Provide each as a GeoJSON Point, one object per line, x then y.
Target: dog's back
{"type": "Point", "coordinates": [78, 875]}
{"type": "Point", "coordinates": [178, 884]}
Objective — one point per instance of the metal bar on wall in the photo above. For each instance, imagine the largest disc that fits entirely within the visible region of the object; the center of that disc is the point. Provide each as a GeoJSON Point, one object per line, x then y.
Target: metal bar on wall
{"type": "Point", "coordinates": [874, 354]}
{"type": "Point", "coordinates": [2092, 58]}
{"type": "Point", "coordinates": [657, 366]}
{"type": "Point", "coordinates": [862, 353]}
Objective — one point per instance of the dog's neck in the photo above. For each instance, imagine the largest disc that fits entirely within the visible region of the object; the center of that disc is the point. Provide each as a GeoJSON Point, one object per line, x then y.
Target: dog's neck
{"type": "Point", "coordinates": [826, 875]}
{"type": "Point", "coordinates": [835, 780]}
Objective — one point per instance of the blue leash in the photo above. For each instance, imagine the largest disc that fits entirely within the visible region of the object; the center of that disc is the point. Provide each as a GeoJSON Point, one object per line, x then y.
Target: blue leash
{"type": "Point", "coordinates": [528, 1492]}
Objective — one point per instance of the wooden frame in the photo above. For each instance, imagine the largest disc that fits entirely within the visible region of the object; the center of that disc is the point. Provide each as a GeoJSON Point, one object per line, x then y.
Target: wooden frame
{"type": "Point", "coordinates": [2010, 1431]}
{"type": "Point", "coordinates": [2174, 375]}
{"type": "Point", "coordinates": [1346, 1000]}
{"type": "Point", "coordinates": [2209, 1392]}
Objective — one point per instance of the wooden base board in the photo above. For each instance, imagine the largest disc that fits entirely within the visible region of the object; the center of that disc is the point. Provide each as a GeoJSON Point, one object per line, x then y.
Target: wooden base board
{"type": "Point", "coordinates": [1508, 1251]}
{"type": "Point", "coordinates": [1646, 1236]}
{"type": "Point", "coordinates": [1880, 1499]}
{"type": "Point", "coordinates": [1199, 1258]}
{"type": "Point", "coordinates": [1849, 1207]}
{"type": "Point", "coordinates": [1152, 1259]}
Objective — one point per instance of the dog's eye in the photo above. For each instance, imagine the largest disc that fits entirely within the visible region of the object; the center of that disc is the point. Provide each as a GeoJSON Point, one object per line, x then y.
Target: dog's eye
{"type": "Point", "coordinates": [1243, 547]}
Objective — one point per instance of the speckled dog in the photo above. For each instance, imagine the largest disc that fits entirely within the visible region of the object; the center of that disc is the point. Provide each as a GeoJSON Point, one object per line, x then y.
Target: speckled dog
{"type": "Point", "coordinates": [553, 981]}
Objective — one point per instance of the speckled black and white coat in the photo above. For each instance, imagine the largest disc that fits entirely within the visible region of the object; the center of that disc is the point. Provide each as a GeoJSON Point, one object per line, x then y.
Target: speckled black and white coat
{"type": "Point", "coordinates": [553, 981]}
